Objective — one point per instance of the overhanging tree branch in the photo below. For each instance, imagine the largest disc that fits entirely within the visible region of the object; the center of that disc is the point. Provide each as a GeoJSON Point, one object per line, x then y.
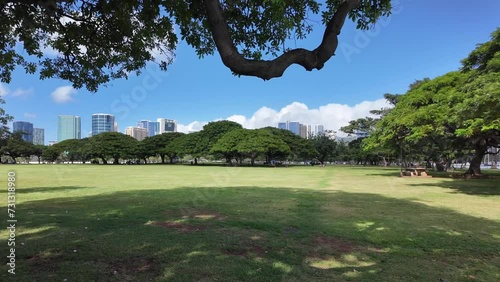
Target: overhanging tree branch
{"type": "Point", "coordinates": [267, 69]}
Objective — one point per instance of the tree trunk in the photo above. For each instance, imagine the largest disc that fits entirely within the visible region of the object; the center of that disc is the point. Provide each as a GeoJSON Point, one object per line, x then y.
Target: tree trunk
{"type": "Point", "coordinates": [162, 156]}
{"type": "Point", "coordinates": [116, 160]}
{"type": "Point", "coordinates": [195, 161]}
{"type": "Point", "coordinates": [428, 163]}
{"type": "Point", "coordinates": [440, 166]}
{"type": "Point", "coordinates": [448, 164]}
{"type": "Point", "coordinates": [172, 159]}
{"type": "Point", "coordinates": [145, 160]}
{"type": "Point", "coordinates": [475, 163]}
{"type": "Point", "coordinates": [252, 161]}
{"type": "Point", "coordinates": [104, 161]}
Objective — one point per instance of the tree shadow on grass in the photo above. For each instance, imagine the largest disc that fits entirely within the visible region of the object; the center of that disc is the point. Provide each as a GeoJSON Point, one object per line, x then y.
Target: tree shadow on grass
{"type": "Point", "coordinates": [482, 187]}
{"type": "Point", "coordinates": [391, 173]}
{"type": "Point", "coordinates": [51, 189]}
{"type": "Point", "coordinates": [250, 234]}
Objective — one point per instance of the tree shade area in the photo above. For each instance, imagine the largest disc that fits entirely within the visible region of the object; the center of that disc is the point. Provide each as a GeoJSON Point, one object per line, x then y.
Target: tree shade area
{"type": "Point", "coordinates": [100, 40]}
{"type": "Point", "coordinates": [450, 116]}
{"type": "Point", "coordinates": [199, 223]}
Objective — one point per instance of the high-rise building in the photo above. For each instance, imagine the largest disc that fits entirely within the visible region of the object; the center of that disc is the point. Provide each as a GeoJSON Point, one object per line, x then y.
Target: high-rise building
{"type": "Point", "coordinates": [318, 129]}
{"type": "Point", "coordinates": [103, 123]}
{"type": "Point", "coordinates": [166, 125]}
{"type": "Point", "coordinates": [294, 127]}
{"type": "Point", "coordinates": [26, 128]}
{"type": "Point", "coordinates": [69, 127]}
{"type": "Point", "coordinates": [283, 125]}
{"type": "Point", "coordinates": [303, 131]}
{"type": "Point", "coordinates": [38, 136]}
{"type": "Point", "coordinates": [138, 133]}
{"type": "Point", "coordinates": [151, 126]}
{"type": "Point", "coordinates": [52, 143]}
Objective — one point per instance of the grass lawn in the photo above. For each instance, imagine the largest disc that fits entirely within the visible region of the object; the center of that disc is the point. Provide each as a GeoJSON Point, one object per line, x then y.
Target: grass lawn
{"type": "Point", "coordinates": [205, 223]}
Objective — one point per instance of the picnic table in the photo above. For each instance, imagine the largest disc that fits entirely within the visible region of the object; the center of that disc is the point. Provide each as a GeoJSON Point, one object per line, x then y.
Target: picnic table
{"type": "Point", "coordinates": [414, 171]}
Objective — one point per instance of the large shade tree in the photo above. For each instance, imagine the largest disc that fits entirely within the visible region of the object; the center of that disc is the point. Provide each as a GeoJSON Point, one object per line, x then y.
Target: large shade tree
{"type": "Point", "coordinates": [193, 144]}
{"type": "Point", "coordinates": [101, 40]}
{"type": "Point", "coordinates": [16, 147]}
{"type": "Point", "coordinates": [456, 111]}
{"type": "Point", "coordinates": [159, 145]}
{"type": "Point", "coordinates": [112, 145]}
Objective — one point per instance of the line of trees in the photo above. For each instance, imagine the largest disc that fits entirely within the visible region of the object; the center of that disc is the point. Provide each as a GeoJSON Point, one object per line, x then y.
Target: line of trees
{"type": "Point", "coordinates": [221, 140]}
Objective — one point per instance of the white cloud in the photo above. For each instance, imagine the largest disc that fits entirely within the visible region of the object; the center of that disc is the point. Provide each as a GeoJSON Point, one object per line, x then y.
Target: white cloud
{"type": "Point", "coordinates": [22, 92]}
{"type": "Point", "coordinates": [332, 116]}
{"type": "Point", "coordinates": [194, 126]}
{"type": "Point", "coordinates": [19, 92]}
{"type": "Point", "coordinates": [63, 94]}
{"type": "Point", "coordinates": [4, 91]}
{"type": "Point", "coordinates": [29, 115]}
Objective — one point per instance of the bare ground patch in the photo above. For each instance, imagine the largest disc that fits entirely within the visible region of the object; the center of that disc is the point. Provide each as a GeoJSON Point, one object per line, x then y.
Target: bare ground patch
{"type": "Point", "coordinates": [246, 250]}
{"type": "Point", "coordinates": [244, 242]}
{"type": "Point", "coordinates": [195, 213]}
{"type": "Point", "coordinates": [128, 269]}
{"type": "Point", "coordinates": [342, 246]}
{"type": "Point", "coordinates": [179, 226]}
{"type": "Point", "coordinates": [334, 244]}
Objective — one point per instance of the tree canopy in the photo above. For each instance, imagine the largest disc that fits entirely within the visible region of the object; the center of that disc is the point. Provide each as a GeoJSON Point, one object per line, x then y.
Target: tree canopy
{"type": "Point", "coordinates": [456, 111]}
{"type": "Point", "coordinates": [113, 145]}
{"type": "Point", "coordinates": [100, 40]}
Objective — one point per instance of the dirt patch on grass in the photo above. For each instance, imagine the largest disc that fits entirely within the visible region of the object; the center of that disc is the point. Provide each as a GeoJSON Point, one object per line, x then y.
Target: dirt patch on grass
{"type": "Point", "coordinates": [246, 250]}
{"type": "Point", "coordinates": [343, 246]}
{"type": "Point", "coordinates": [180, 226]}
{"type": "Point", "coordinates": [290, 230]}
{"type": "Point", "coordinates": [133, 265]}
{"type": "Point", "coordinates": [193, 213]}
{"type": "Point", "coordinates": [243, 242]}
{"type": "Point", "coordinates": [129, 269]}
{"type": "Point", "coordinates": [43, 263]}
{"type": "Point", "coordinates": [334, 244]}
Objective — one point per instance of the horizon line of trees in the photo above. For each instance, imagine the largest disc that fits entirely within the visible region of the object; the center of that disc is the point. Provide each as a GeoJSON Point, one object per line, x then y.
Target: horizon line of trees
{"type": "Point", "coordinates": [221, 140]}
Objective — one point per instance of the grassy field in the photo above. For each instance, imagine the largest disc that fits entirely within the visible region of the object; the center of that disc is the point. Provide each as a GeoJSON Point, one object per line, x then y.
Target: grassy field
{"type": "Point", "coordinates": [178, 223]}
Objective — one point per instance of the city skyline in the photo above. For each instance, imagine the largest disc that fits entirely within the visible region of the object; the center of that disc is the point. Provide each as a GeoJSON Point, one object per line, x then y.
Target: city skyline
{"type": "Point", "coordinates": [69, 127]}
{"type": "Point", "coordinates": [302, 130]}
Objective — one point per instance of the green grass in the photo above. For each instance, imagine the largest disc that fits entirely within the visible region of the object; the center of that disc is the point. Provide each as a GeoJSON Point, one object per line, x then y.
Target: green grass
{"type": "Point", "coordinates": [178, 223]}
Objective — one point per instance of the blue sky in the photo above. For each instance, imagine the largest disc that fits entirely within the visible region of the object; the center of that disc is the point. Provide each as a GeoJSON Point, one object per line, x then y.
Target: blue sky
{"type": "Point", "coordinates": [421, 39]}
